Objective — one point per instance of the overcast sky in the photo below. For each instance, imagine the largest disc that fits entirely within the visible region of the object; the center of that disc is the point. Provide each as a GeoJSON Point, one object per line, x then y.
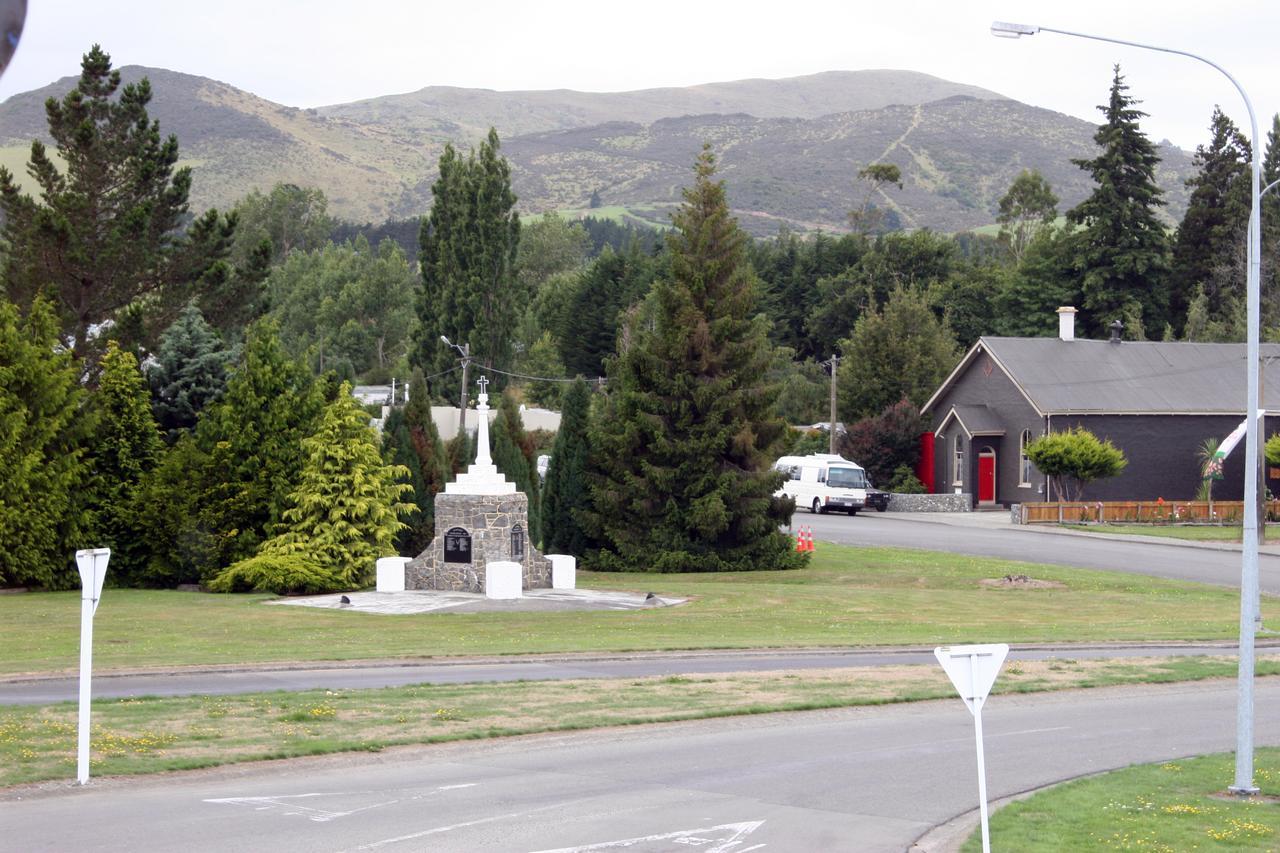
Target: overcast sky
{"type": "Point", "coordinates": [320, 52]}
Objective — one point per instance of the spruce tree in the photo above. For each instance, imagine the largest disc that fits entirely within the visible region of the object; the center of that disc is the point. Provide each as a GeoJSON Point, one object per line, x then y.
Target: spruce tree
{"type": "Point", "coordinates": [681, 456]}
{"type": "Point", "coordinates": [1271, 229]}
{"type": "Point", "coordinates": [469, 243]}
{"type": "Point", "coordinates": [126, 446]}
{"type": "Point", "coordinates": [189, 373]}
{"type": "Point", "coordinates": [565, 495]}
{"type": "Point", "coordinates": [1122, 251]}
{"type": "Point", "coordinates": [1208, 252]}
{"type": "Point", "coordinates": [108, 234]}
{"type": "Point", "coordinates": [513, 455]}
{"type": "Point", "coordinates": [43, 434]}
{"type": "Point", "coordinates": [342, 516]}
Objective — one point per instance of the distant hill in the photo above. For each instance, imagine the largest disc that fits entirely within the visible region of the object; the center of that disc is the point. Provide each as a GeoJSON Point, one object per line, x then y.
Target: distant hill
{"type": "Point", "coordinates": [789, 149]}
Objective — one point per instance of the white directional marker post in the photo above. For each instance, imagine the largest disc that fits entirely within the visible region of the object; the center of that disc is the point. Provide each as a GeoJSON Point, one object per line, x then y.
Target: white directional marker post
{"type": "Point", "coordinates": [973, 669]}
{"type": "Point", "coordinates": [92, 564]}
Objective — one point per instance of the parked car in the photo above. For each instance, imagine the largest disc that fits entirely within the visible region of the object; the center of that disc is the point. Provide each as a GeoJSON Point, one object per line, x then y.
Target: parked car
{"type": "Point", "coordinates": [876, 499]}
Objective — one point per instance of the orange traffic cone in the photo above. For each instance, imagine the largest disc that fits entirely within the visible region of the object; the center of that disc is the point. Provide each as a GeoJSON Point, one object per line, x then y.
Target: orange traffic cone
{"type": "Point", "coordinates": [800, 539]}
{"type": "Point", "coordinates": [810, 538]}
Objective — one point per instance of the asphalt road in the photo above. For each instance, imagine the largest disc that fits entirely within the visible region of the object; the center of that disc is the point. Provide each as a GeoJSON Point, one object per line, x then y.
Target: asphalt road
{"type": "Point", "coordinates": [46, 690]}
{"type": "Point", "coordinates": [1175, 560]}
{"type": "Point", "coordinates": [867, 779]}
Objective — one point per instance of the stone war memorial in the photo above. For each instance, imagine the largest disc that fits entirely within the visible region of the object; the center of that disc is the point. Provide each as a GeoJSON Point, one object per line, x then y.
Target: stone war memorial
{"type": "Point", "coordinates": [481, 525]}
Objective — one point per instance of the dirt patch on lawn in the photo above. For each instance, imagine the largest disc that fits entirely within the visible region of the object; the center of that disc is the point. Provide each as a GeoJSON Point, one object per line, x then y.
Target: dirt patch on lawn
{"type": "Point", "coordinates": [1020, 582]}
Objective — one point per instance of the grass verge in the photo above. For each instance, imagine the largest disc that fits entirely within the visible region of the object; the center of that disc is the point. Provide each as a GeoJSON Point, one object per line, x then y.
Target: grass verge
{"type": "Point", "coordinates": [1165, 808]}
{"type": "Point", "coordinates": [845, 597]}
{"type": "Point", "coordinates": [152, 734]}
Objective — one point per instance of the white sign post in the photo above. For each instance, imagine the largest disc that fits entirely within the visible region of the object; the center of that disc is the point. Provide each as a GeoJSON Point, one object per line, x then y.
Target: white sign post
{"type": "Point", "coordinates": [973, 669]}
{"type": "Point", "coordinates": [92, 564]}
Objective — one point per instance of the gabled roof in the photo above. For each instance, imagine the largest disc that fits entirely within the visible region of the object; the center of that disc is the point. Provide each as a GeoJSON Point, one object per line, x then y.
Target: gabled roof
{"type": "Point", "coordinates": [1132, 377]}
{"type": "Point", "coordinates": [974, 420]}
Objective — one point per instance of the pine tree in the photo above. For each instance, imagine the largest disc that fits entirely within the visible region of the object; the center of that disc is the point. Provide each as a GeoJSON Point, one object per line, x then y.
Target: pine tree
{"type": "Point", "coordinates": [513, 455]}
{"type": "Point", "coordinates": [342, 516]}
{"type": "Point", "coordinates": [43, 433]}
{"type": "Point", "coordinates": [1210, 243]}
{"type": "Point", "coordinates": [108, 234]}
{"type": "Point", "coordinates": [681, 477]}
{"type": "Point", "coordinates": [1271, 229]}
{"type": "Point", "coordinates": [469, 245]}
{"type": "Point", "coordinates": [1123, 250]}
{"type": "Point", "coordinates": [190, 372]}
{"type": "Point", "coordinates": [253, 442]}
{"type": "Point", "coordinates": [126, 446]}
{"type": "Point", "coordinates": [565, 495]}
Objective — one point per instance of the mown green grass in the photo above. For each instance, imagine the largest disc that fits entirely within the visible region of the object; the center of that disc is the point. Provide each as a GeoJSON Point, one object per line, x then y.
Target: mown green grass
{"type": "Point", "coordinates": [1169, 807]}
{"type": "Point", "coordinates": [846, 597]}
{"type": "Point", "coordinates": [151, 734]}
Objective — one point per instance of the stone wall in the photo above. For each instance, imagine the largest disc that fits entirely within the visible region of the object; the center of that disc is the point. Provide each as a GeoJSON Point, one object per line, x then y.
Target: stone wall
{"type": "Point", "coordinates": [931, 503]}
{"type": "Point", "coordinates": [489, 519]}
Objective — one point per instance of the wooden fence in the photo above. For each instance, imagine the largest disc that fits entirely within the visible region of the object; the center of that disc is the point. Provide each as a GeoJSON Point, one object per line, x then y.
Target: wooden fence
{"type": "Point", "coordinates": [1139, 512]}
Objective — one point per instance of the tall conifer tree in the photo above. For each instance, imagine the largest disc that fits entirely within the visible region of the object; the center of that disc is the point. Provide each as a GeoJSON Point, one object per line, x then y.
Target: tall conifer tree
{"type": "Point", "coordinates": [513, 456]}
{"type": "Point", "coordinates": [1209, 249]}
{"type": "Point", "coordinates": [126, 446]}
{"type": "Point", "coordinates": [43, 431]}
{"type": "Point", "coordinates": [1122, 252]}
{"type": "Point", "coordinates": [682, 479]}
{"type": "Point", "coordinates": [108, 230]}
{"type": "Point", "coordinates": [469, 245]}
{"type": "Point", "coordinates": [565, 496]}
{"type": "Point", "coordinates": [190, 372]}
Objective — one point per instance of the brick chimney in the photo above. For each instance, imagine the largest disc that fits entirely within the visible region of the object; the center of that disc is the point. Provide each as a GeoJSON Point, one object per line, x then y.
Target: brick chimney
{"type": "Point", "coordinates": [1067, 323]}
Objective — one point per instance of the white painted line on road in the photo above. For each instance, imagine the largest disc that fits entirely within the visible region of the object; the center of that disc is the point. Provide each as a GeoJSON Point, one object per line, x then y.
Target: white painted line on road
{"type": "Point", "coordinates": [732, 835]}
{"type": "Point", "coordinates": [294, 809]}
{"type": "Point", "coordinates": [374, 845]}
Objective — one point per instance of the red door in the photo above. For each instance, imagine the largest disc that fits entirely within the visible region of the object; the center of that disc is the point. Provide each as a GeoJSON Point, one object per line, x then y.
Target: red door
{"type": "Point", "coordinates": [986, 477]}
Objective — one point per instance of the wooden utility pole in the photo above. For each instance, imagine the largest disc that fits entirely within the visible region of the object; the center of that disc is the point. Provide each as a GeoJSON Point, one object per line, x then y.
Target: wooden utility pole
{"type": "Point", "coordinates": [465, 349]}
{"type": "Point", "coordinates": [834, 364]}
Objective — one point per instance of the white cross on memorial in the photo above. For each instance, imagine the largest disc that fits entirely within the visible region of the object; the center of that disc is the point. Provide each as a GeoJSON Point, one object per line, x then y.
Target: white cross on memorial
{"type": "Point", "coordinates": [483, 382]}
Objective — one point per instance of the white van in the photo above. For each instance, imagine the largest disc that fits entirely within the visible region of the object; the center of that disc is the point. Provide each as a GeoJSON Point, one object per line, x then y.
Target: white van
{"type": "Point", "coordinates": [823, 482]}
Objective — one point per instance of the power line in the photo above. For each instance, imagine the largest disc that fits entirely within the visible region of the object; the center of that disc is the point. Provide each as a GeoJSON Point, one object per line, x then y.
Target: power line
{"type": "Point", "coordinates": [539, 378]}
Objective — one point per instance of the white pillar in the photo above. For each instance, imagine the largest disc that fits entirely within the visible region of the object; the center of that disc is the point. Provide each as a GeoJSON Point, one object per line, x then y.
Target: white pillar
{"type": "Point", "coordinates": [503, 579]}
{"type": "Point", "coordinates": [391, 573]}
{"type": "Point", "coordinates": [564, 571]}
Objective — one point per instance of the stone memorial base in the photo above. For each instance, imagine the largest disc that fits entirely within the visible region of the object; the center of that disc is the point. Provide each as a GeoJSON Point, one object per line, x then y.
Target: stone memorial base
{"type": "Point", "coordinates": [478, 529]}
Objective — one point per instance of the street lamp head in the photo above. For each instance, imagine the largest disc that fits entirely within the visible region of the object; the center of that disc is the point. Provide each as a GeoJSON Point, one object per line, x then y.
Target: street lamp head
{"type": "Point", "coordinates": [447, 342]}
{"type": "Point", "coordinates": [1006, 30]}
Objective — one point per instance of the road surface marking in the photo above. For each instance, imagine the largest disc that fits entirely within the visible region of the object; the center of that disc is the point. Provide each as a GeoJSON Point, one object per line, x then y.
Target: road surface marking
{"type": "Point", "coordinates": [732, 834]}
{"type": "Point", "coordinates": [319, 815]}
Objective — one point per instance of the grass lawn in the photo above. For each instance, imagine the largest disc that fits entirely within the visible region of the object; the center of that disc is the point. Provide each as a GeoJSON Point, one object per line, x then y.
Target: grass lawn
{"type": "Point", "coordinates": [1165, 808]}
{"type": "Point", "coordinates": [151, 734]}
{"type": "Point", "coordinates": [846, 597]}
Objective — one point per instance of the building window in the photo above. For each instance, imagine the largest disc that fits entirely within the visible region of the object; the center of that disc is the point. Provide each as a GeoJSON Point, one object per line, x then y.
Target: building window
{"type": "Point", "coordinates": [1024, 464]}
{"type": "Point", "coordinates": [958, 473]}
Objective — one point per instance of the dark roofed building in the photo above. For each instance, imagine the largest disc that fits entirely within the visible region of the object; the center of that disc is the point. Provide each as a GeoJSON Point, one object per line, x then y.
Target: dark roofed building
{"type": "Point", "coordinates": [1156, 401]}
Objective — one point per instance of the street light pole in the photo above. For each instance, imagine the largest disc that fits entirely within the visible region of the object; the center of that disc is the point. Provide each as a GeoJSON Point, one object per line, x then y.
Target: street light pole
{"type": "Point", "coordinates": [465, 352]}
{"type": "Point", "coordinates": [1249, 552]}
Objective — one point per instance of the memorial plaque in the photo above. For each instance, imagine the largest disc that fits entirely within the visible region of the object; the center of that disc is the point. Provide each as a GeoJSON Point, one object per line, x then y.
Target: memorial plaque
{"type": "Point", "coordinates": [517, 543]}
{"type": "Point", "coordinates": [457, 546]}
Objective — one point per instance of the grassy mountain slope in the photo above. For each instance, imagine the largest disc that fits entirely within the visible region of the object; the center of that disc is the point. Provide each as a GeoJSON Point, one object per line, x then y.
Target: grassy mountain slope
{"type": "Point", "coordinates": [790, 148]}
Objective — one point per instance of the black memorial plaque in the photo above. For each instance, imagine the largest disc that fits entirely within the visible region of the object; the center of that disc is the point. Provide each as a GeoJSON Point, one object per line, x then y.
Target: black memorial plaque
{"type": "Point", "coordinates": [457, 546]}
{"type": "Point", "coordinates": [517, 543]}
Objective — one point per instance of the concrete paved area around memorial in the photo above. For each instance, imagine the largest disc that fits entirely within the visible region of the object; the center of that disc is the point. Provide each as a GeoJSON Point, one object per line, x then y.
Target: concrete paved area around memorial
{"type": "Point", "coordinates": [428, 601]}
{"type": "Point", "coordinates": [866, 779]}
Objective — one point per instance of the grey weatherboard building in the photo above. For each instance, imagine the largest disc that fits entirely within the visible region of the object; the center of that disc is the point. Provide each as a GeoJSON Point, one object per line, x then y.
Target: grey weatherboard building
{"type": "Point", "coordinates": [1155, 401]}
